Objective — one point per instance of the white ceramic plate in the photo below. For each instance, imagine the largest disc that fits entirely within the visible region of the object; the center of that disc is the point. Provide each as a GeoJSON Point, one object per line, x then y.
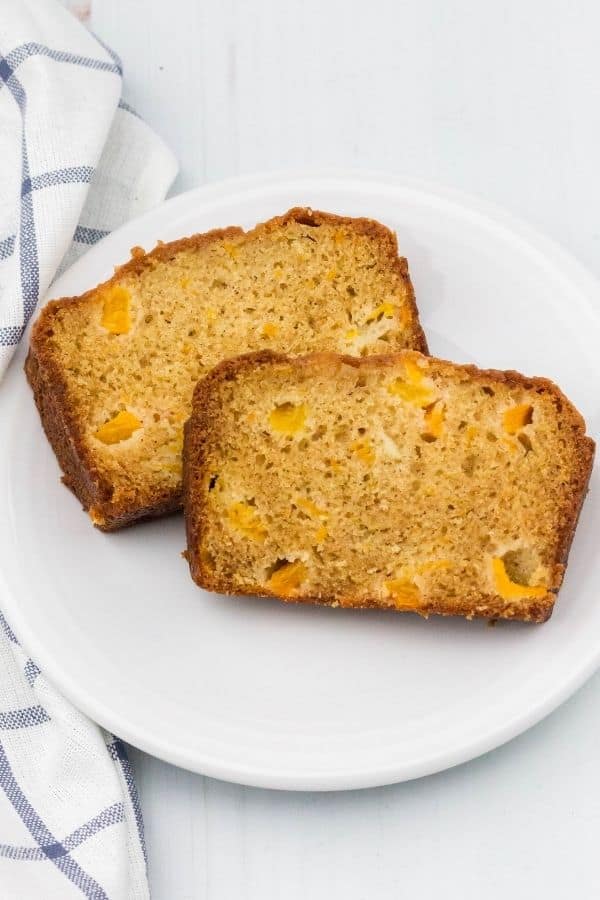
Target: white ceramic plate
{"type": "Point", "coordinates": [298, 697]}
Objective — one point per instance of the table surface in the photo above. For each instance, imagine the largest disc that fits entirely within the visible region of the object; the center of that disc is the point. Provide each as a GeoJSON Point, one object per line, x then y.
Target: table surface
{"type": "Point", "coordinates": [500, 100]}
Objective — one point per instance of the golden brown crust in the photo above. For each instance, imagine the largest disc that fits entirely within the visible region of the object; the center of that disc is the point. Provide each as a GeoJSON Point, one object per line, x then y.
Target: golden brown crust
{"type": "Point", "coordinates": [201, 425]}
{"type": "Point", "coordinates": [47, 380]}
{"type": "Point", "coordinates": [52, 416]}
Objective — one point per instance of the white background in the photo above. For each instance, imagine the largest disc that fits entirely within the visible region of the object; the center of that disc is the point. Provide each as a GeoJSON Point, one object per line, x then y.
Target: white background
{"type": "Point", "coordinates": [501, 99]}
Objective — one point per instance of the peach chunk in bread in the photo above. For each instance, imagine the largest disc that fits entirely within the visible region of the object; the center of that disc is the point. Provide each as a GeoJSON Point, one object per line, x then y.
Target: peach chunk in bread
{"type": "Point", "coordinates": [113, 370]}
{"type": "Point", "coordinates": [398, 482]}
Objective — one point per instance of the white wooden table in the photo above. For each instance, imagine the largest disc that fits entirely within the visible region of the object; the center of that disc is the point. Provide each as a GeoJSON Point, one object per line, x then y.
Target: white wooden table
{"type": "Point", "coordinates": [500, 99]}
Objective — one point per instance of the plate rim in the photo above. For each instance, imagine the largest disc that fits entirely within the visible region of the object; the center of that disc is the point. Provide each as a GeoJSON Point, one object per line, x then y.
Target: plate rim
{"type": "Point", "coordinates": [564, 264]}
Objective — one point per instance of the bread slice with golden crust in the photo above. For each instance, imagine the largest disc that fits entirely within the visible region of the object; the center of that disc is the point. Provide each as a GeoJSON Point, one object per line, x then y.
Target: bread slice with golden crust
{"type": "Point", "coordinates": [397, 482]}
{"type": "Point", "coordinates": [113, 371]}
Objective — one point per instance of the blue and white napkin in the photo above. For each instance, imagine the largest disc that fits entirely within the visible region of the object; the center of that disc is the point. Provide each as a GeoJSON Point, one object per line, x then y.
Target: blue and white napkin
{"type": "Point", "coordinates": [75, 162]}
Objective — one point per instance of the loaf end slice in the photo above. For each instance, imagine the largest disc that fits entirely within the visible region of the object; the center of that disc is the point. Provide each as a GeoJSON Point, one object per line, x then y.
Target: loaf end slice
{"type": "Point", "coordinates": [399, 482]}
{"type": "Point", "coordinates": [113, 371]}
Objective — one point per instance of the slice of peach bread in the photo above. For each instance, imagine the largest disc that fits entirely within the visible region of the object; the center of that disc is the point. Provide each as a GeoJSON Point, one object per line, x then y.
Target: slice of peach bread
{"type": "Point", "coordinates": [113, 371]}
{"type": "Point", "coordinates": [399, 482]}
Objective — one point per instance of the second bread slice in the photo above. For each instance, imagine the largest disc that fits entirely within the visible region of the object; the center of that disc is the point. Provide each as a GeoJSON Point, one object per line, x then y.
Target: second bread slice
{"type": "Point", "coordinates": [113, 370]}
{"type": "Point", "coordinates": [399, 482]}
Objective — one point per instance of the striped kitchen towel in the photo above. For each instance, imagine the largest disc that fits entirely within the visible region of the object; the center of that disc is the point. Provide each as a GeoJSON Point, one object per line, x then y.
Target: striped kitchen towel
{"type": "Point", "coordinates": [76, 162]}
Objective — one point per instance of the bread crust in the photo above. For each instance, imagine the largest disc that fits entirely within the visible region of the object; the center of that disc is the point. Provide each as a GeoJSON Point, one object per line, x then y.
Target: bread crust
{"type": "Point", "coordinates": [80, 472]}
{"type": "Point", "coordinates": [200, 427]}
